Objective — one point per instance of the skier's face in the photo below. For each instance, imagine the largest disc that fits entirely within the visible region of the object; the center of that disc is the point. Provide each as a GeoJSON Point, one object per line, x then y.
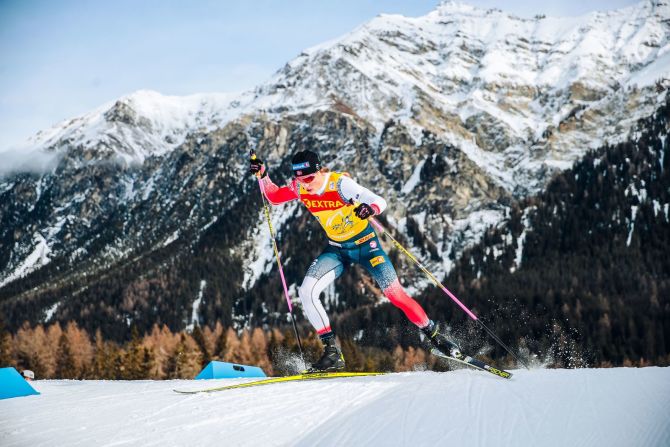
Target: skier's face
{"type": "Point", "coordinates": [312, 182]}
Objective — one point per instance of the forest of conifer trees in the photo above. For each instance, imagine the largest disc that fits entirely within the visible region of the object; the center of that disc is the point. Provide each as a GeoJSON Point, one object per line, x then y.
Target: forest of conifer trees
{"type": "Point", "coordinates": [593, 282]}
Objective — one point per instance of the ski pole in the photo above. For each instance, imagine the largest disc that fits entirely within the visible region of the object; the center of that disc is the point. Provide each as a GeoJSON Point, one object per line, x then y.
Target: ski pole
{"type": "Point", "coordinates": [432, 277]}
{"type": "Point", "coordinates": [276, 250]}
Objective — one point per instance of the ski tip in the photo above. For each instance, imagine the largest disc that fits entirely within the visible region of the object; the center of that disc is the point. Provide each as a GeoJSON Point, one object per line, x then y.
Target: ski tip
{"type": "Point", "coordinates": [474, 363]}
{"type": "Point", "coordinates": [496, 371]}
{"type": "Point", "coordinates": [188, 391]}
{"type": "Point", "coordinates": [500, 373]}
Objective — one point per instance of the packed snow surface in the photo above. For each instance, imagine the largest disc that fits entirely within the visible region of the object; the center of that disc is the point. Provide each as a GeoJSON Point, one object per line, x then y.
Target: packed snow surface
{"type": "Point", "coordinates": [583, 407]}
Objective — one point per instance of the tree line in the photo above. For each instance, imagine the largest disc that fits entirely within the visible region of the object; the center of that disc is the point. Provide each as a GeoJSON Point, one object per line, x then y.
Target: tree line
{"type": "Point", "coordinates": [70, 352]}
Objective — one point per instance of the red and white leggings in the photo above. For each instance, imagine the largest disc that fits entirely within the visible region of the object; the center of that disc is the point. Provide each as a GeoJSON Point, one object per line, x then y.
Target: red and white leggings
{"type": "Point", "coordinates": [329, 266]}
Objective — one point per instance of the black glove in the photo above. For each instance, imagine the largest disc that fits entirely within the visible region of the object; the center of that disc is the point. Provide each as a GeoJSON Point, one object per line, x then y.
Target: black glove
{"type": "Point", "coordinates": [363, 211]}
{"type": "Point", "coordinates": [256, 166]}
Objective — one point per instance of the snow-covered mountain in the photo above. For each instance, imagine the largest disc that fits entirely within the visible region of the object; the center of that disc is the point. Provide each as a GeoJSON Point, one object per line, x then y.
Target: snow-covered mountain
{"type": "Point", "coordinates": [586, 407]}
{"type": "Point", "coordinates": [514, 94]}
{"type": "Point", "coordinates": [136, 126]}
{"type": "Point", "coordinates": [451, 116]}
{"type": "Point", "coordinates": [505, 83]}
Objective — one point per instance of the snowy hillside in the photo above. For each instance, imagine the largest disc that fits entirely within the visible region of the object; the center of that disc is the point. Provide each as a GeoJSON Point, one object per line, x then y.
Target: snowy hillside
{"type": "Point", "coordinates": [607, 407]}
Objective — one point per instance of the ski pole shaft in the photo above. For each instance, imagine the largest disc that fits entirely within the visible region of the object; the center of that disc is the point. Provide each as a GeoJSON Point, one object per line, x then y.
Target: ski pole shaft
{"type": "Point", "coordinates": [278, 258]}
{"type": "Point", "coordinates": [432, 277]}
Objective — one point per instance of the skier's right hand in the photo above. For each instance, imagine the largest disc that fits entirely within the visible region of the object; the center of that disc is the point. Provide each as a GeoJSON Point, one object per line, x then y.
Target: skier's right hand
{"type": "Point", "coordinates": [257, 168]}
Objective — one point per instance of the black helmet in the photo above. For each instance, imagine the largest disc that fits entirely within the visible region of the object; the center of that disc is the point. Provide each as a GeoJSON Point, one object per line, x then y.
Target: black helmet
{"type": "Point", "coordinates": [305, 163]}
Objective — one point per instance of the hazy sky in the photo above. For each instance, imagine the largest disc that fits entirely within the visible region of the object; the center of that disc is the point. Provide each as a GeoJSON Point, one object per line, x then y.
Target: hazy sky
{"type": "Point", "coordinates": [59, 59]}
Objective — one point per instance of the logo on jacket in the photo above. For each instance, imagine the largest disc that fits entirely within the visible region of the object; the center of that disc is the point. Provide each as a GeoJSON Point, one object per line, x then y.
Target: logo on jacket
{"type": "Point", "coordinates": [377, 260]}
{"type": "Point", "coordinates": [339, 223]}
{"type": "Point", "coordinates": [364, 239]}
{"type": "Point", "coordinates": [322, 204]}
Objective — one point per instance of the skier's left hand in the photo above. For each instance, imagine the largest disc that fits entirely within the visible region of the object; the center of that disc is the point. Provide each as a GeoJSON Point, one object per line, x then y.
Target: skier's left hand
{"type": "Point", "coordinates": [363, 211]}
{"type": "Point", "coordinates": [256, 167]}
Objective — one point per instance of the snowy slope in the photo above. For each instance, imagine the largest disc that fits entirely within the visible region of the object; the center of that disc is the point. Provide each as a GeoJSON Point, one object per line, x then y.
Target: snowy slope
{"type": "Point", "coordinates": [607, 407]}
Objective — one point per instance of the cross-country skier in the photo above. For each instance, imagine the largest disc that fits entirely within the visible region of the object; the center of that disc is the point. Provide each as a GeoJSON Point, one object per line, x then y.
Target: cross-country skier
{"type": "Point", "coordinates": [342, 207]}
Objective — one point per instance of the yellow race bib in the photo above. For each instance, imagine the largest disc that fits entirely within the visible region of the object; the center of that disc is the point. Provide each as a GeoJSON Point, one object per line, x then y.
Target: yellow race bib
{"type": "Point", "coordinates": [335, 216]}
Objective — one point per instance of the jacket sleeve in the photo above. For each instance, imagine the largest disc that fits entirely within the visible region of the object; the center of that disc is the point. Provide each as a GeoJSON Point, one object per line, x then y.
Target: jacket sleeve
{"type": "Point", "coordinates": [352, 192]}
{"type": "Point", "coordinates": [276, 194]}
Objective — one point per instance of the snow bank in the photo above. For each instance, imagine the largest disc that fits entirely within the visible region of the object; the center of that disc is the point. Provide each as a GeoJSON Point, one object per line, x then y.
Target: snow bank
{"type": "Point", "coordinates": [587, 407]}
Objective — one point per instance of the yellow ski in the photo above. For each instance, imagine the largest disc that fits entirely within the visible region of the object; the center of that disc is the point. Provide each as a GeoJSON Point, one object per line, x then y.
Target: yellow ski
{"type": "Point", "coordinates": [271, 380]}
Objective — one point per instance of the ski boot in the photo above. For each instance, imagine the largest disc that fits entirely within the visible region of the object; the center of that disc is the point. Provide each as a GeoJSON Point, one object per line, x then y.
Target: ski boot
{"type": "Point", "coordinates": [437, 340]}
{"type": "Point", "coordinates": [332, 359]}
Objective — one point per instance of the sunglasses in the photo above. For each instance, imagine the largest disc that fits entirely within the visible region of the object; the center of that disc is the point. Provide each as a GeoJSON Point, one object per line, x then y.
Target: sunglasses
{"type": "Point", "coordinates": [306, 178]}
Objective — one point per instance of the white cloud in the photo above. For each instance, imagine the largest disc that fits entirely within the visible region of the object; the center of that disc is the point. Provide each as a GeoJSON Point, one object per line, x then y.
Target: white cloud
{"type": "Point", "coordinates": [27, 160]}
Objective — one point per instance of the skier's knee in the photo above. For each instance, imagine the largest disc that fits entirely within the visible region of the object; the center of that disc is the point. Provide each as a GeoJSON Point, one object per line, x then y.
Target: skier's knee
{"type": "Point", "coordinates": [305, 290]}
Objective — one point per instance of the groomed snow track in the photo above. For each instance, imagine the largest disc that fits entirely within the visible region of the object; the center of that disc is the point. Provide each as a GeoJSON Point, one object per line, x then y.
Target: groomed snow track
{"type": "Point", "coordinates": [587, 407]}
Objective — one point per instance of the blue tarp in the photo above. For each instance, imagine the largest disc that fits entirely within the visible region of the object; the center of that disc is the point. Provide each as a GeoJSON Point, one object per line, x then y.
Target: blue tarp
{"type": "Point", "coordinates": [13, 385]}
{"type": "Point", "coordinates": [224, 370]}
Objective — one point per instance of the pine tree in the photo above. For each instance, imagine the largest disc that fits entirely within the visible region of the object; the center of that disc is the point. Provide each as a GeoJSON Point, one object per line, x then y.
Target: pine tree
{"type": "Point", "coordinates": [133, 360]}
{"type": "Point", "coordinates": [106, 362]}
{"type": "Point", "coordinates": [161, 343]}
{"type": "Point", "coordinates": [6, 358]}
{"type": "Point", "coordinates": [259, 347]}
{"type": "Point", "coordinates": [353, 356]}
{"type": "Point", "coordinates": [199, 339]}
{"type": "Point", "coordinates": [81, 348]}
{"type": "Point", "coordinates": [221, 344]}
{"type": "Point", "coordinates": [177, 362]}
{"type": "Point", "coordinates": [148, 362]}
{"type": "Point", "coordinates": [65, 366]}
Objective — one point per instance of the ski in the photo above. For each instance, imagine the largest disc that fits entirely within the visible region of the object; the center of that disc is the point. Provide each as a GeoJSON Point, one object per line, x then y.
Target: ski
{"type": "Point", "coordinates": [473, 363]}
{"type": "Point", "coordinates": [271, 380]}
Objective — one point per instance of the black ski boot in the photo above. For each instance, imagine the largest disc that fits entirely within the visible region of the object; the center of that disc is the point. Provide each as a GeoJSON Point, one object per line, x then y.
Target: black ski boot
{"type": "Point", "coordinates": [332, 358]}
{"type": "Point", "coordinates": [439, 341]}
